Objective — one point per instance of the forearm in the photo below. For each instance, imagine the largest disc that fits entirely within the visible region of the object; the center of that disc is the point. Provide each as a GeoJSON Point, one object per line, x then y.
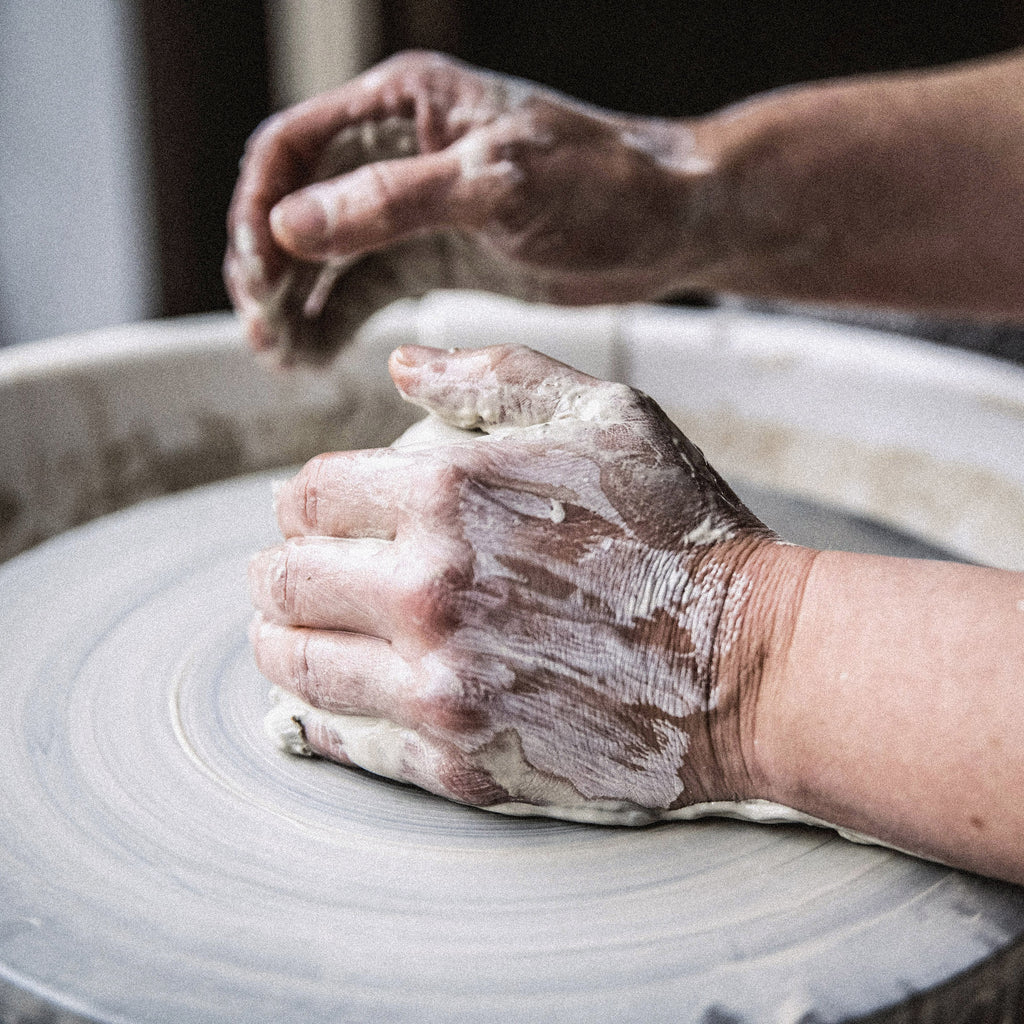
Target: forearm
{"type": "Point", "coordinates": [904, 191]}
{"type": "Point", "coordinates": [898, 710]}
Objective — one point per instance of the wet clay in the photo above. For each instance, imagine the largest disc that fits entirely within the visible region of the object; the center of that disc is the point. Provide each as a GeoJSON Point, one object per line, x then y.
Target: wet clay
{"type": "Point", "coordinates": [315, 308]}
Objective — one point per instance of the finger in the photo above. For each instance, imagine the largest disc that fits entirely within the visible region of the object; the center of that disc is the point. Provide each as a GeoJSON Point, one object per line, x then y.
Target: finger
{"type": "Point", "coordinates": [265, 312]}
{"type": "Point", "coordinates": [327, 303]}
{"type": "Point", "coordinates": [313, 314]}
{"type": "Point", "coordinates": [254, 263]}
{"type": "Point", "coordinates": [372, 493]}
{"type": "Point", "coordinates": [503, 385]}
{"type": "Point", "coordinates": [325, 583]}
{"type": "Point", "coordinates": [300, 134]}
{"type": "Point", "coordinates": [346, 674]}
{"type": "Point", "coordinates": [249, 268]}
{"type": "Point", "coordinates": [306, 143]}
{"type": "Point", "coordinates": [429, 88]}
{"type": "Point", "coordinates": [338, 673]}
{"type": "Point", "coordinates": [371, 207]}
{"type": "Point", "coordinates": [321, 138]}
{"type": "Point", "coordinates": [317, 308]}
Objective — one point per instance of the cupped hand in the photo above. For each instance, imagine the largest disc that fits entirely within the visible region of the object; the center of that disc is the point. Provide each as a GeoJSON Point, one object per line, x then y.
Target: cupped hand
{"type": "Point", "coordinates": [555, 613]}
{"type": "Point", "coordinates": [426, 173]}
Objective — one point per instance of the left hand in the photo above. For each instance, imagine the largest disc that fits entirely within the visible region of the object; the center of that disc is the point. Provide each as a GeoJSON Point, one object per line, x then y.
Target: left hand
{"type": "Point", "coordinates": [560, 616]}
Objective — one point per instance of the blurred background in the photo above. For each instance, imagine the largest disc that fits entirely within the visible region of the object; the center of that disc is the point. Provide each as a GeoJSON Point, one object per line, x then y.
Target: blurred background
{"type": "Point", "coordinates": [122, 123]}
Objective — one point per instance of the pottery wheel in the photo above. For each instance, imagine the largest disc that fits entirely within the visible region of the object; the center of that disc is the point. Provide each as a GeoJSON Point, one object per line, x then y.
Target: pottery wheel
{"type": "Point", "coordinates": [160, 860]}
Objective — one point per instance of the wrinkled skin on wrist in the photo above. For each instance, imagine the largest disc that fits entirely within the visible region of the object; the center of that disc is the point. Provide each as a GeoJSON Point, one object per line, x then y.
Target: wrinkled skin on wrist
{"type": "Point", "coordinates": [546, 617]}
{"type": "Point", "coordinates": [426, 173]}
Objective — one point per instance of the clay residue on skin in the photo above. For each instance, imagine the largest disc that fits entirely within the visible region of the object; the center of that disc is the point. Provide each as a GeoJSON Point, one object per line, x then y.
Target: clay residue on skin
{"type": "Point", "coordinates": [601, 722]}
{"type": "Point", "coordinates": [708, 532]}
{"type": "Point", "coordinates": [381, 747]}
{"type": "Point", "coordinates": [602, 727]}
{"type": "Point", "coordinates": [473, 153]}
{"type": "Point", "coordinates": [674, 148]}
{"type": "Point", "coordinates": [499, 207]}
{"type": "Point", "coordinates": [378, 746]}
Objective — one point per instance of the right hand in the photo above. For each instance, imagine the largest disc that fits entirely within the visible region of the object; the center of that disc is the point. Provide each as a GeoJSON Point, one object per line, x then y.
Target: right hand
{"type": "Point", "coordinates": [566, 617]}
{"type": "Point", "coordinates": [426, 173]}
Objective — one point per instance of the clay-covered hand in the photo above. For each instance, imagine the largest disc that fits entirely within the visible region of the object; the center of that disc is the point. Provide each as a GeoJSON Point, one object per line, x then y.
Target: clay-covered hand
{"type": "Point", "coordinates": [557, 613]}
{"type": "Point", "coordinates": [426, 173]}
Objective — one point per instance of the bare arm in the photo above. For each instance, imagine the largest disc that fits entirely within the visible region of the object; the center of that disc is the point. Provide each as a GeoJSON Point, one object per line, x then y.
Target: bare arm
{"type": "Point", "coordinates": [892, 190]}
{"type": "Point", "coordinates": [899, 711]}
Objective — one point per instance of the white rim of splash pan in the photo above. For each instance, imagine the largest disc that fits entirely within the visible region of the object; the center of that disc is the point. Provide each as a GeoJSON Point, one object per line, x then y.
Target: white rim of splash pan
{"type": "Point", "coordinates": [921, 437]}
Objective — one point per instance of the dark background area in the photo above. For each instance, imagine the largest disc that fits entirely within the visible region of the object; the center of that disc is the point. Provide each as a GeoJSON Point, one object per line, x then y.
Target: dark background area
{"type": "Point", "coordinates": [676, 58]}
{"type": "Point", "coordinates": [209, 73]}
{"type": "Point", "coordinates": [207, 78]}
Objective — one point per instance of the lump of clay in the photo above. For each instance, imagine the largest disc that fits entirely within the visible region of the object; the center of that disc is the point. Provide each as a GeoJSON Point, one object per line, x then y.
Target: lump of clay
{"type": "Point", "coordinates": [318, 307]}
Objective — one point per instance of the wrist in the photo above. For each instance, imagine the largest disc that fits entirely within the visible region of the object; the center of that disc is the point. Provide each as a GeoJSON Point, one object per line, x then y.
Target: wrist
{"type": "Point", "coordinates": [686, 175]}
{"type": "Point", "coordinates": [739, 178]}
{"type": "Point", "coordinates": [764, 592]}
{"type": "Point", "coordinates": [765, 208]}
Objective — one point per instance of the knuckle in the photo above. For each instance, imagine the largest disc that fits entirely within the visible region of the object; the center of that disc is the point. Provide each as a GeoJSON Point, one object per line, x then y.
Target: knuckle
{"type": "Point", "coordinates": [404, 60]}
{"type": "Point", "coordinates": [448, 708]}
{"type": "Point", "coordinates": [415, 61]}
{"type": "Point", "coordinates": [311, 489]}
{"type": "Point", "coordinates": [614, 400]}
{"type": "Point", "coordinates": [509, 353]}
{"type": "Point", "coordinates": [451, 702]}
{"type": "Point", "coordinates": [442, 484]}
{"type": "Point", "coordinates": [411, 70]}
{"type": "Point", "coordinates": [618, 396]}
{"type": "Point", "coordinates": [266, 133]}
{"type": "Point", "coordinates": [379, 194]}
{"type": "Point", "coordinates": [286, 573]}
{"type": "Point", "coordinates": [305, 672]}
{"type": "Point", "coordinates": [430, 599]}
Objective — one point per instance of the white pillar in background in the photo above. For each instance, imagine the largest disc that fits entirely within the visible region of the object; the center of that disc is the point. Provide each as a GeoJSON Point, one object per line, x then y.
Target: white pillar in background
{"type": "Point", "coordinates": [319, 44]}
{"type": "Point", "coordinates": [75, 222]}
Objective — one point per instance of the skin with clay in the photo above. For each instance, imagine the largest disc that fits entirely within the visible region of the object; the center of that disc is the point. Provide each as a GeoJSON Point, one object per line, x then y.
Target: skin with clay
{"type": "Point", "coordinates": [536, 637]}
{"type": "Point", "coordinates": [567, 611]}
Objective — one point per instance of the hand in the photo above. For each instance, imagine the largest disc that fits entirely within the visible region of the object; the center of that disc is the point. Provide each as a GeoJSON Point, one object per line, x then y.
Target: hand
{"type": "Point", "coordinates": [560, 615]}
{"type": "Point", "coordinates": [426, 173]}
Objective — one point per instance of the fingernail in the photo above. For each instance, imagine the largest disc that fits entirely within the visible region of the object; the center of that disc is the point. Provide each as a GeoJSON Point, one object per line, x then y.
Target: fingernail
{"type": "Point", "coordinates": [299, 217]}
{"type": "Point", "coordinates": [413, 355]}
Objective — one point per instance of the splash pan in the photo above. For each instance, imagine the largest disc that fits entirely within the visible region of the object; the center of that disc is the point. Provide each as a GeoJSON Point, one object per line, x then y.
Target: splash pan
{"type": "Point", "coordinates": [160, 861]}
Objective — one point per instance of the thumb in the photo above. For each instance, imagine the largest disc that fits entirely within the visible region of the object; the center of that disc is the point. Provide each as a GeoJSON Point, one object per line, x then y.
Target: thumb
{"type": "Point", "coordinates": [368, 208]}
{"type": "Point", "coordinates": [504, 385]}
